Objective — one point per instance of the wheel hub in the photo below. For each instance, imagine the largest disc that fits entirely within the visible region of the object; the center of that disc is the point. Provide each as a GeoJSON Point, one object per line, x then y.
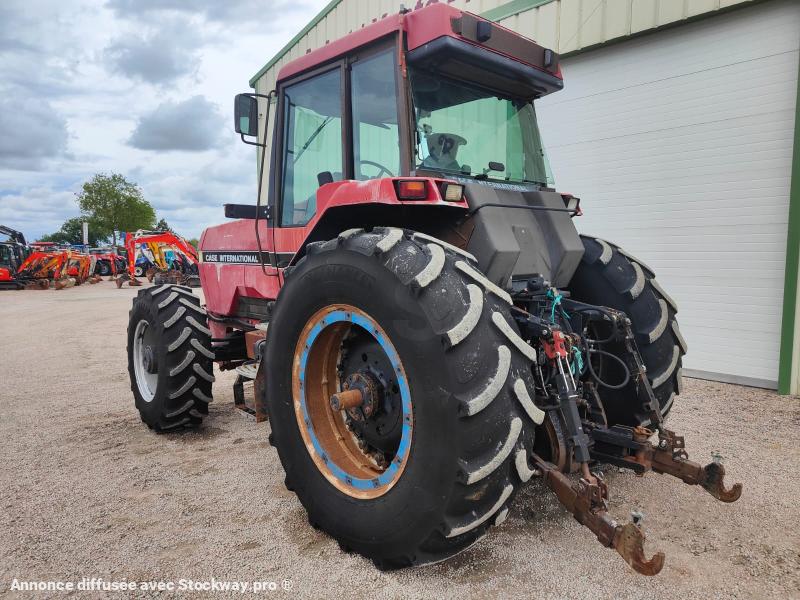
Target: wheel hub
{"type": "Point", "coordinates": [144, 360]}
{"type": "Point", "coordinates": [377, 422]}
{"type": "Point", "coordinates": [149, 361]}
{"type": "Point", "coordinates": [370, 393]}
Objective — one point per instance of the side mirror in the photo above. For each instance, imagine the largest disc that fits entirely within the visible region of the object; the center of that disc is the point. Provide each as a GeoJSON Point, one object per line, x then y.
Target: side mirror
{"type": "Point", "coordinates": [245, 114]}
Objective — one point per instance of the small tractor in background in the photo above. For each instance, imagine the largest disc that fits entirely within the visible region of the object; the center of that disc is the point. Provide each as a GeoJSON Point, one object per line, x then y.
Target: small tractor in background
{"type": "Point", "coordinates": [423, 325]}
{"type": "Point", "coordinates": [108, 262]}
{"type": "Point", "coordinates": [13, 252]}
{"type": "Point", "coordinates": [162, 257]}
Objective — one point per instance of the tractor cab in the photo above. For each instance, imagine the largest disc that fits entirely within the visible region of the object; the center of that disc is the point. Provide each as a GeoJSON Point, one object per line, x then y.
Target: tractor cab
{"type": "Point", "coordinates": [434, 92]}
{"type": "Point", "coordinates": [10, 256]}
{"type": "Point", "coordinates": [13, 252]}
{"type": "Point", "coordinates": [445, 95]}
{"type": "Point", "coordinates": [424, 119]}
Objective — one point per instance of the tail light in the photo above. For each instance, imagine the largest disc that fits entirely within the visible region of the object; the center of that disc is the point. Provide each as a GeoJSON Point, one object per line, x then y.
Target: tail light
{"type": "Point", "coordinates": [412, 189]}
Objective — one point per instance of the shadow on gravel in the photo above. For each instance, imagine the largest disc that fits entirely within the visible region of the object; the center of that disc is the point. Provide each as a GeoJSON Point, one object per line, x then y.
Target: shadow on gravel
{"type": "Point", "coordinates": [202, 434]}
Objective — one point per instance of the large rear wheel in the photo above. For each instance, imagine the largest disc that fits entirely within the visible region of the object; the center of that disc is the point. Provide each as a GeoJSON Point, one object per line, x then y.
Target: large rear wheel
{"type": "Point", "coordinates": [398, 393]}
{"type": "Point", "coordinates": [609, 276]}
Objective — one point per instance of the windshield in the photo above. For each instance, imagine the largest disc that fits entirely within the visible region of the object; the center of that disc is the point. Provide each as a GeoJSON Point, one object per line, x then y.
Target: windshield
{"type": "Point", "coordinates": [462, 128]}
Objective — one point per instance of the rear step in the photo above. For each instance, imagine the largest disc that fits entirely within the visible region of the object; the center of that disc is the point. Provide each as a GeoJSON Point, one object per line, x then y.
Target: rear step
{"type": "Point", "coordinates": [248, 370]}
{"type": "Point", "coordinates": [251, 402]}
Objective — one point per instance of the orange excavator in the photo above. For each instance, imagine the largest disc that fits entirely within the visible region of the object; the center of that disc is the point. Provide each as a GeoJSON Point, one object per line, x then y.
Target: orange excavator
{"type": "Point", "coordinates": [49, 264]}
{"type": "Point", "coordinates": [172, 259]}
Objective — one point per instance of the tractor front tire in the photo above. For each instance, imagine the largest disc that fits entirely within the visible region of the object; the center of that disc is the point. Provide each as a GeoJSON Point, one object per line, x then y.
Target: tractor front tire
{"type": "Point", "coordinates": [103, 268]}
{"type": "Point", "coordinates": [469, 415]}
{"type": "Point", "coordinates": [170, 360]}
{"type": "Point", "coordinates": [609, 276]}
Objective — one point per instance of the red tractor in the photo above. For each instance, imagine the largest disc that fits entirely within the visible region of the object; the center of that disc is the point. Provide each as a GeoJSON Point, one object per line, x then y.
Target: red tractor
{"type": "Point", "coordinates": [107, 262]}
{"type": "Point", "coordinates": [424, 326]}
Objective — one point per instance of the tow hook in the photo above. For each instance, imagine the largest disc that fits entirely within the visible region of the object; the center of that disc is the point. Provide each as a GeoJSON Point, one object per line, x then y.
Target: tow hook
{"type": "Point", "coordinates": [670, 458]}
{"type": "Point", "coordinates": [587, 500]}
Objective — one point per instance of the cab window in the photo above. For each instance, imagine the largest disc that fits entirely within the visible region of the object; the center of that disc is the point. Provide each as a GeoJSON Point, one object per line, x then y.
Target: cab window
{"type": "Point", "coordinates": [376, 141]}
{"type": "Point", "coordinates": [312, 143]}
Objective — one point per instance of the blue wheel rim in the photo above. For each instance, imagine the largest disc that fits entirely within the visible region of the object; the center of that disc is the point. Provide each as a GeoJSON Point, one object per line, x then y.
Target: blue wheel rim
{"type": "Point", "coordinates": [341, 318]}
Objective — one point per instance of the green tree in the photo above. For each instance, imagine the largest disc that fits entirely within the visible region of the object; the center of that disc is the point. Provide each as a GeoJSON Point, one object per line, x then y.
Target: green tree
{"type": "Point", "coordinates": [162, 225]}
{"type": "Point", "coordinates": [115, 204]}
{"type": "Point", "coordinates": [194, 242]}
{"type": "Point", "coordinates": [71, 232]}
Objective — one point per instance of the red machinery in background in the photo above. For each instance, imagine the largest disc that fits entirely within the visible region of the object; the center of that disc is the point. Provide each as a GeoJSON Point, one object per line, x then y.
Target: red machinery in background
{"type": "Point", "coordinates": [13, 252]}
{"type": "Point", "coordinates": [181, 270]}
{"type": "Point", "coordinates": [107, 262]}
{"type": "Point", "coordinates": [49, 264]}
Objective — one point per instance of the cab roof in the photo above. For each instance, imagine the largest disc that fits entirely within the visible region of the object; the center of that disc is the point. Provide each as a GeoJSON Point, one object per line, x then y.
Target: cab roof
{"type": "Point", "coordinates": [423, 26]}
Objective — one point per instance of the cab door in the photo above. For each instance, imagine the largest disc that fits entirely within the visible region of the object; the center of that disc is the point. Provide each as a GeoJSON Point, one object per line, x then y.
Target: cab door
{"type": "Point", "coordinates": [311, 143]}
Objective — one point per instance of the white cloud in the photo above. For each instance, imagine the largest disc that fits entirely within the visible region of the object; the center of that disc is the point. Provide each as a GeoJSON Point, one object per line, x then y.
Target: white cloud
{"type": "Point", "coordinates": [242, 13]}
{"type": "Point", "coordinates": [32, 132]}
{"type": "Point", "coordinates": [194, 125]}
{"type": "Point", "coordinates": [37, 210]}
{"type": "Point", "coordinates": [159, 57]}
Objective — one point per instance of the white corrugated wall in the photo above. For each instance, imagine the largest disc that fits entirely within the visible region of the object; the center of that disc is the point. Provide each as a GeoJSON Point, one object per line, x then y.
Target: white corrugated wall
{"type": "Point", "coordinates": [680, 144]}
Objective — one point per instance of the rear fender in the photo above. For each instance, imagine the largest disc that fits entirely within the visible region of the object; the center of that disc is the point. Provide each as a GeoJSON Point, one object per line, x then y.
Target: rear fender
{"type": "Point", "coordinates": [348, 204]}
{"type": "Point", "coordinates": [378, 191]}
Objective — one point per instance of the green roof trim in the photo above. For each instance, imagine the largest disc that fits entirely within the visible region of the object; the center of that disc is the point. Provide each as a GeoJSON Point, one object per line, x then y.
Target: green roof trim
{"type": "Point", "coordinates": [512, 8]}
{"type": "Point", "coordinates": [313, 23]}
{"type": "Point", "coordinates": [792, 263]}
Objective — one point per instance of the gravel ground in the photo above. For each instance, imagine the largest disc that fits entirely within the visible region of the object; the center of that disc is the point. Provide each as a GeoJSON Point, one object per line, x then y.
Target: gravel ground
{"type": "Point", "coordinates": [86, 490]}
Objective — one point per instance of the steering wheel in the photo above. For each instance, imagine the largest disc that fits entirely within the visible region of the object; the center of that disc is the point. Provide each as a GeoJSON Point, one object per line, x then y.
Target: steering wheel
{"type": "Point", "coordinates": [381, 168]}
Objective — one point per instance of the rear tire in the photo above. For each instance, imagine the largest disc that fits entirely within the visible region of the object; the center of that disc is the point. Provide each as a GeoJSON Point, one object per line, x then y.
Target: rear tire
{"type": "Point", "coordinates": [469, 387]}
{"type": "Point", "coordinates": [169, 358]}
{"type": "Point", "coordinates": [609, 276]}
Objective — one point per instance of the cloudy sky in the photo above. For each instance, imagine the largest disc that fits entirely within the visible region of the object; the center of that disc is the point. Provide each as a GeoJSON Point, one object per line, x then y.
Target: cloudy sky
{"type": "Point", "coordinates": [139, 87]}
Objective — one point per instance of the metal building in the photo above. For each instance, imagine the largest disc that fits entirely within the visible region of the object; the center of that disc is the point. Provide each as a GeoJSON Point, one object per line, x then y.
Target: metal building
{"type": "Point", "coordinates": [678, 128]}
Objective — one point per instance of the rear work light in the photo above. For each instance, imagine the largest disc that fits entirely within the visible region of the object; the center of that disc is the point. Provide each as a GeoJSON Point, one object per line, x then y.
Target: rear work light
{"type": "Point", "coordinates": [412, 189]}
{"type": "Point", "coordinates": [573, 204]}
{"type": "Point", "coordinates": [452, 192]}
